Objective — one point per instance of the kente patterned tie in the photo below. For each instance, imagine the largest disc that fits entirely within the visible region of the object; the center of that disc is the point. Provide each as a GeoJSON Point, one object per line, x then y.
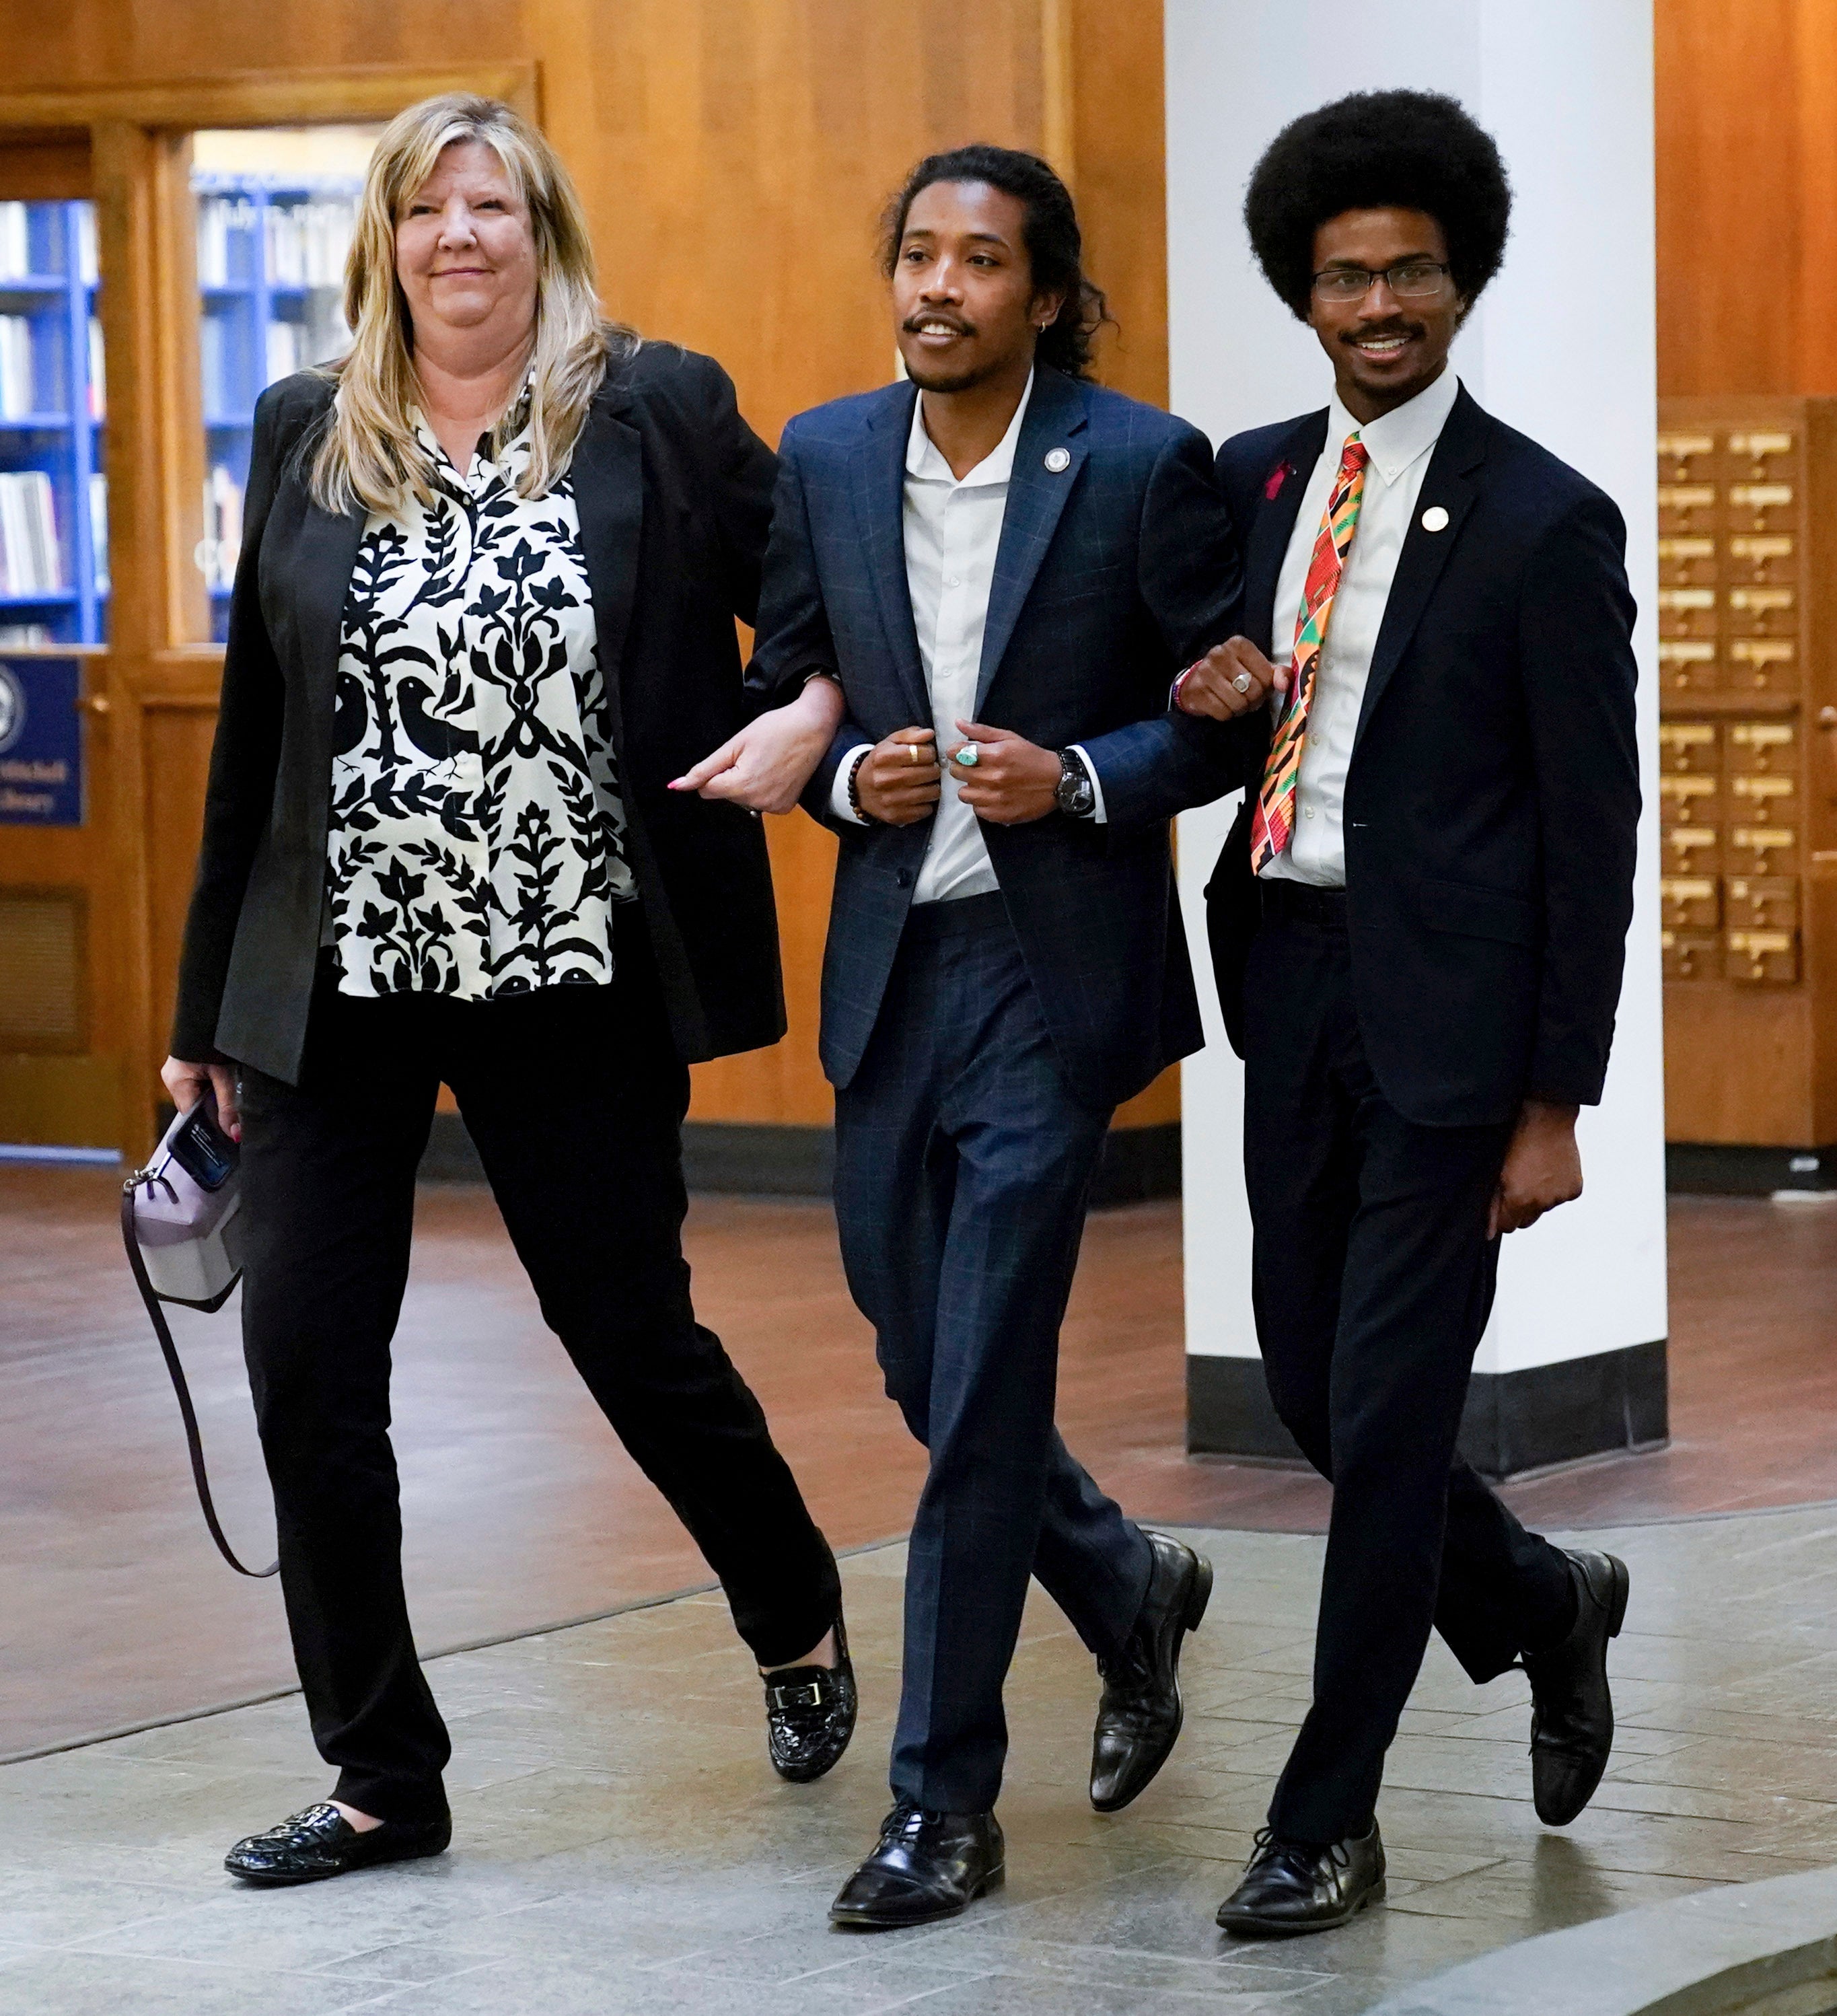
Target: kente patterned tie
{"type": "Point", "coordinates": [1274, 823]}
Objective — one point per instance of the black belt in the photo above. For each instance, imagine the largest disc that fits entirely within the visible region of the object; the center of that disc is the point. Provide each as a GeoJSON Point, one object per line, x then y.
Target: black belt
{"type": "Point", "coordinates": [1302, 903]}
{"type": "Point", "coordinates": [956, 916]}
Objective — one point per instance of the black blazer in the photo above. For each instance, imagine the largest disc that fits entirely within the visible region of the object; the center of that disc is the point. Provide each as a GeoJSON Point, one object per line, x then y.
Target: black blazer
{"type": "Point", "coordinates": [674, 491]}
{"type": "Point", "coordinates": [1116, 568]}
{"type": "Point", "coordinates": [1493, 794]}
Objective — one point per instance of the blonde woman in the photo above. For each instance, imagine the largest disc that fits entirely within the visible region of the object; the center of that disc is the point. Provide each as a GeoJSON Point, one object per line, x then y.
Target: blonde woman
{"type": "Point", "coordinates": [483, 619]}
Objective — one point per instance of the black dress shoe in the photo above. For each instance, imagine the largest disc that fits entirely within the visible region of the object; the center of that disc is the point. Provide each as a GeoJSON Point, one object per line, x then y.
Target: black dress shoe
{"type": "Point", "coordinates": [1571, 1710]}
{"type": "Point", "coordinates": [1289, 1887]}
{"type": "Point", "coordinates": [322, 1842]}
{"type": "Point", "coordinates": [810, 1715]}
{"type": "Point", "coordinates": [1139, 1717]}
{"type": "Point", "coordinates": [925, 1866]}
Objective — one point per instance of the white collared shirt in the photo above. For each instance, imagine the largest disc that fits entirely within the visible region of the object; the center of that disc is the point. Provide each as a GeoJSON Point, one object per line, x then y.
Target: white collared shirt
{"type": "Point", "coordinates": [952, 530]}
{"type": "Point", "coordinates": [1400, 444]}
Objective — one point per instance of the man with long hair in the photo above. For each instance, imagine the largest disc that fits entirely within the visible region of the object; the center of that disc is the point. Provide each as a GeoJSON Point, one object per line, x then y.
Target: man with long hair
{"type": "Point", "coordinates": [1418, 926]}
{"type": "Point", "coordinates": [1006, 567]}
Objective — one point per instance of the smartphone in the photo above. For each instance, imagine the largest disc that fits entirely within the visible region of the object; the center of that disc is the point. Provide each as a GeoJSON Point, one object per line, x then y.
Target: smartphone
{"type": "Point", "coordinates": [202, 1149]}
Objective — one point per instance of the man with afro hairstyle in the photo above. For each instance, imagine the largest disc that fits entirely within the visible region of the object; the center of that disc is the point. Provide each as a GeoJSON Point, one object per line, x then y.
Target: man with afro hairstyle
{"type": "Point", "coordinates": [1417, 926]}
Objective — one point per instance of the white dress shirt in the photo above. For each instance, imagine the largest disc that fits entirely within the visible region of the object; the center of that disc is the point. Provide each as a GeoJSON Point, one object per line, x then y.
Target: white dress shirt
{"type": "Point", "coordinates": [952, 532]}
{"type": "Point", "coordinates": [1400, 444]}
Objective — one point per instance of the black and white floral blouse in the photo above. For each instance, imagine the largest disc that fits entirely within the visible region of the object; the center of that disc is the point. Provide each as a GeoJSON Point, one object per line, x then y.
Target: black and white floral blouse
{"type": "Point", "coordinates": [476, 839]}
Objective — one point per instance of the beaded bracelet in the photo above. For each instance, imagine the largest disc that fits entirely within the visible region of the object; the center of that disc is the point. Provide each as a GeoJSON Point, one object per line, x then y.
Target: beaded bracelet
{"type": "Point", "coordinates": [855, 803]}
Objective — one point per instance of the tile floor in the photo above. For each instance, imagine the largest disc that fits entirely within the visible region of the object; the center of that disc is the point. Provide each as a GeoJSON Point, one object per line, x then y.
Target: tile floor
{"type": "Point", "coordinates": [521, 1510]}
{"type": "Point", "coordinates": [621, 1846]}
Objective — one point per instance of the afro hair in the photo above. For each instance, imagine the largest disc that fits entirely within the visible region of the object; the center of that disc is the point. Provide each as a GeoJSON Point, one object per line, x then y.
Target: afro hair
{"type": "Point", "coordinates": [1378, 149]}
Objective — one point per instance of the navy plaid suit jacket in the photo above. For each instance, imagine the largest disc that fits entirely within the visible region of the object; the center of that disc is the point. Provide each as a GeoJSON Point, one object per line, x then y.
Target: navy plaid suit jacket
{"type": "Point", "coordinates": [1112, 574]}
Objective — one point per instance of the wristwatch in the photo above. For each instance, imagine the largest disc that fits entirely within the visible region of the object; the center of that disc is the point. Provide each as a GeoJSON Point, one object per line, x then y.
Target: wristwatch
{"type": "Point", "coordinates": [1077, 793]}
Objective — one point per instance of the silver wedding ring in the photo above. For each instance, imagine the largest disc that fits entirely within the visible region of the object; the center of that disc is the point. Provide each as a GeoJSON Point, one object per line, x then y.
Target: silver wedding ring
{"type": "Point", "coordinates": [1241, 683]}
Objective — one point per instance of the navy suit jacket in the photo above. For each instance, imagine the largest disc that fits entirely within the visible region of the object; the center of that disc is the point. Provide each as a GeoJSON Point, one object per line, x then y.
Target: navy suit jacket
{"type": "Point", "coordinates": [1112, 574]}
{"type": "Point", "coordinates": [1493, 793]}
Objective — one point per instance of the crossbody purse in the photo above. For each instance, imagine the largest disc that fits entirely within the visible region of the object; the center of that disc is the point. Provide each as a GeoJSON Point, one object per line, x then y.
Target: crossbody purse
{"type": "Point", "coordinates": [181, 1224]}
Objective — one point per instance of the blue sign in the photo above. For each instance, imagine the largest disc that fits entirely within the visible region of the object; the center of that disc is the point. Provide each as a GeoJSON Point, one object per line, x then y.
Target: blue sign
{"type": "Point", "coordinates": [40, 742]}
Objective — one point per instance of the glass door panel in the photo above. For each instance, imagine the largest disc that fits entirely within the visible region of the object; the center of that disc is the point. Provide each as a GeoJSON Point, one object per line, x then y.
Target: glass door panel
{"type": "Point", "coordinates": [276, 207]}
{"type": "Point", "coordinates": [53, 492]}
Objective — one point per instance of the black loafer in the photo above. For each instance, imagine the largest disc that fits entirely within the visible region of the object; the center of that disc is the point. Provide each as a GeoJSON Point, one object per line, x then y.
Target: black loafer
{"type": "Point", "coordinates": [925, 1866]}
{"type": "Point", "coordinates": [810, 1715]}
{"type": "Point", "coordinates": [1139, 1717]}
{"type": "Point", "coordinates": [1572, 1709]}
{"type": "Point", "coordinates": [322, 1842]}
{"type": "Point", "coordinates": [1289, 1887]}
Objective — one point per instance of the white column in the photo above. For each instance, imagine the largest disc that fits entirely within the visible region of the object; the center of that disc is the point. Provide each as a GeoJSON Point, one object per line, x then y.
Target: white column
{"type": "Point", "coordinates": [1561, 345]}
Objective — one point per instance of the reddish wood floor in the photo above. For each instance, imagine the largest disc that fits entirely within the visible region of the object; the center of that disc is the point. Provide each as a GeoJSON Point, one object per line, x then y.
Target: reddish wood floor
{"type": "Point", "coordinates": [521, 1510]}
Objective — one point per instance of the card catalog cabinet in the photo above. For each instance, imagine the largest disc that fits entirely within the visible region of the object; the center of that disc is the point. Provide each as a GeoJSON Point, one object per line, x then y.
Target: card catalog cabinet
{"type": "Point", "coordinates": [1747, 624]}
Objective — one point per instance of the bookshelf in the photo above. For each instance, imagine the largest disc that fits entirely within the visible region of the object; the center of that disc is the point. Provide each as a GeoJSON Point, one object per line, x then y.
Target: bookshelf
{"type": "Point", "coordinates": [53, 494]}
{"type": "Point", "coordinates": [271, 251]}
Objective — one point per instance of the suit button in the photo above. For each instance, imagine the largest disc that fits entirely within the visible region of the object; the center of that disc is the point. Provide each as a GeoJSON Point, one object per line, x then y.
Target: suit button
{"type": "Point", "coordinates": [904, 878]}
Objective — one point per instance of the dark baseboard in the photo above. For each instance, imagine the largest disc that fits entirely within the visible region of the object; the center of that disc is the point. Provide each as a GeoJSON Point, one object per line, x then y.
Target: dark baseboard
{"type": "Point", "coordinates": [451, 1157]}
{"type": "Point", "coordinates": [1138, 1162]}
{"type": "Point", "coordinates": [1514, 1421]}
{"type": "Point", "coordinates": [743, 1160]}
{"type": "Point", "coordinates": [1700, 1168]}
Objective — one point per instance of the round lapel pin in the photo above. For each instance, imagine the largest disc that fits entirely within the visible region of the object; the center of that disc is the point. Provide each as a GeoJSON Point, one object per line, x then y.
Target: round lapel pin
{"type": "Point", "coordinates": [1435, 519]}
{"type": "Point", "coordinates": [1058, 460]}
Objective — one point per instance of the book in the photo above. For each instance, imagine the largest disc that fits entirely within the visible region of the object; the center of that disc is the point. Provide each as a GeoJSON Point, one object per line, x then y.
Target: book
{"type": "Point", "coordinates": [99, 402]}
{"type": "Point", "coordinates": [283, 350]}
{"type": "Point", "coordinates": [221, 264]}
{"type": "Point", "coordinates": [212, 346]}
{"type": "Point", "coordinates": [16, 242]}
{"type": "Point", "coordinates": [32, 560]}
{"type": "Point", "coordinates": [307, 243]}
{"type": "Point", "coordinates": [99, 529]}
{"type": "Point", "coordinates": [18, 390]}
{"type": "Point", "coordinates": [222, 541]}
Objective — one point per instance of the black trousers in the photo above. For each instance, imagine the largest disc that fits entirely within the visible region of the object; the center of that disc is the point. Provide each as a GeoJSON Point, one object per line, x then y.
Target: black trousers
{"type": "Point", "coordinates": [574, 1098]}
{"type": "Point", "coordinates": [963, 1167]}
{"type": "Point", "coordinates": [1372, 1277]}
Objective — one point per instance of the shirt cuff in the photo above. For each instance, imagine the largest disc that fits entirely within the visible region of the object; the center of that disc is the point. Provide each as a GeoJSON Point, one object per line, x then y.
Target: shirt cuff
{"type": "Point", "coordinates": [1099, 816]}
{"type": "Point", "coordinates": [839, 789]}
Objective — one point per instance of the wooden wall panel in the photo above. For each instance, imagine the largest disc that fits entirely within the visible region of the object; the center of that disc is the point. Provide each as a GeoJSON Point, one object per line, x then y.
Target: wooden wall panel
{"type": "Point", "coordinates": [175, 745]}
{"type": "Point", "coordinates": [132, 41]}
{"type": "Point", "coordinates": [1814, 287]}
{"type": "Point", "coordinates": [54, 169]}
{"type": "Point", "coordinates": [734, 169]}
{"type": "Point", "coordinates": [1747, 195]}
{"type": "Point", "coordinates": [1120, 168]}
{"type": "Point", "coordinates": [76, 1099]}
{"type": "Point", "coordinates": [1727, 228]}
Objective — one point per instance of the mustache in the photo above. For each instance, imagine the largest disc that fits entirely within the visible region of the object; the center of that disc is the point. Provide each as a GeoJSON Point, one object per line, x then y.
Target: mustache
{"type": "Point", "coordinates": [955, 323]}
{"type": "Point", "coordinates": [1366, 330]}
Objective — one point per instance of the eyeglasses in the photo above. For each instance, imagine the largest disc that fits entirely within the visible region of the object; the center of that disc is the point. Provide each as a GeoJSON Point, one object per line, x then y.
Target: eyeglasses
{"type": "Point", "coordinates": [1416, 280]}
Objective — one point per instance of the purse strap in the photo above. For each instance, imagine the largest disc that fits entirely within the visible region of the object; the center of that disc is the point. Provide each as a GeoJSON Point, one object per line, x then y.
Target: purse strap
{"type": "Point", "coordinates": [194, 1443]}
